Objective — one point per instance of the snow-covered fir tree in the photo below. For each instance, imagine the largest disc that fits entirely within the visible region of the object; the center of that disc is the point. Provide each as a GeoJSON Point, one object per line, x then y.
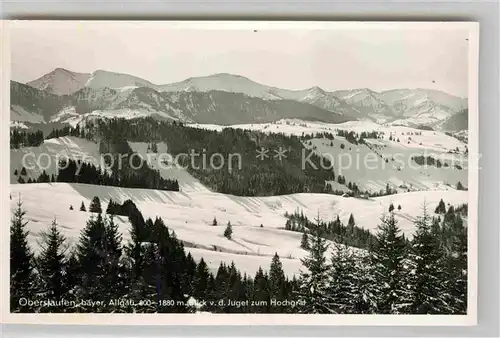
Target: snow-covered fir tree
{"type": "Point", "coordinates": [428, 294]}
{"type": "Point", "coordinates": [276, 282]}
{"type": "Point", "coordinates": [22, 274]}
{"type": "Point", "coordinates": [315, 276]}
{"type": "Point", "coordinates": [388, 258]}
{"type": "Point", "coordinates": [52, 265]}
{"type": "Point", "coordinates": [343, 280]}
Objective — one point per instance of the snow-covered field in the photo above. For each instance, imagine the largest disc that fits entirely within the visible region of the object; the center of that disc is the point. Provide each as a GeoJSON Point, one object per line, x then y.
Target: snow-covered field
{"type": "Point", "coordinates": [190, 215]}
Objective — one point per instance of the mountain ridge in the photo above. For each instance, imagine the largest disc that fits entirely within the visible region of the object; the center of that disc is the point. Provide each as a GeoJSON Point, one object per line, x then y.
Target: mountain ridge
{"type": "Point", "coordinates": [405, 106]}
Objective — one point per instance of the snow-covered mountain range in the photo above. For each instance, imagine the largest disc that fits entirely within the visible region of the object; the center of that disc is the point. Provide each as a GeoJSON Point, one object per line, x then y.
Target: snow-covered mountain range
{"type": "Point", "coordinates": [227, 99]}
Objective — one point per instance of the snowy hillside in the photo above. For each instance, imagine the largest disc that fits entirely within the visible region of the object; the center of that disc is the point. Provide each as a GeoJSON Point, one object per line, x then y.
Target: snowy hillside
{"type": "Point", "coordinates": [49, 153]}
{"type": "Point", "coordinates": [105, 79]}
{"type": "Point", "coordinates": [223, 82]}
{"type": "Point", "coordinates": [400, 171]}
{"type": "Point", "coordinates": [190, 215]}
{"type": "Point", "coordinates": [60, 81]}
{"type": "Point", "coordinates": [19, 114]}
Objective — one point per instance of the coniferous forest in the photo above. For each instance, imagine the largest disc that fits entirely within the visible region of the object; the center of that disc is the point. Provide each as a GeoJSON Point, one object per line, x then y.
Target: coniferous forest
{"type": "Point", "coordinates": [152, 272]}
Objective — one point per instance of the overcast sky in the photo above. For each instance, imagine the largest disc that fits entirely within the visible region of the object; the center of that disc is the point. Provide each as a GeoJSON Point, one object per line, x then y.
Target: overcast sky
{"type": "Point", "coordinates": [374, 57]}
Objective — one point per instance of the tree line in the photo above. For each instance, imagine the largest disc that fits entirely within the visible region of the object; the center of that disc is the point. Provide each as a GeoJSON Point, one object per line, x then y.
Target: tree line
{"type": "Point", "coordinates": [20, 138]}
{"type": "Point", "coordinates": [350, 234]}
{"type": "Point", "coordinates": [256, 177]}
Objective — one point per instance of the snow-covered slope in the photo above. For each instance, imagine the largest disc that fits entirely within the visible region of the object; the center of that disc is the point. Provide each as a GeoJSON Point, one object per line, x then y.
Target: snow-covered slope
{"type": "Point", "coordinates": [60, 81]}
{"type": "Point", "coordinates": [187, 183]}
{"type": "Point", "coordinates": [105, 79]}
{"type": "Point", "coordinates": [402, 173]}
{"type": "Point", "coordinates": [18, 113]}
{"type": "Point", "coordinates": [223, 82]}
{"type": "Point", "coordinates": [367, 102]}
{"type": "Point", "coordinates": [190, 215]}
{"type": "Point", "coordinates": [47, 156]}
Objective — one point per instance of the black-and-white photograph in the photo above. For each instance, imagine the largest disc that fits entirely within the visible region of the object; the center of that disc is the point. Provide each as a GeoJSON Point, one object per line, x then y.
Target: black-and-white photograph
{"type": "Point", "coordinates": [253, 168]}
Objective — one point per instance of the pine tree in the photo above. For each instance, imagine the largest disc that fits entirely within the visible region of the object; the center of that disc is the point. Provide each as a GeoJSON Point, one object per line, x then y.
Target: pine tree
{"type": "Point", "coordinates": [460, 186]}
{"type": "Point", "coordinates": [70, 207]}
{"type": "Point", "coordinates": [391, 207]}
{"type": "Point", "coordinates": [276, 282]}
{"type": "Point", "coordinates": [399, 207]}
{"type": "Point", "coordinates": [22, 275]}
{"type": "Point", "coordinates": [23, 171]}
{"type": "Point", "coordinates": [441, 208]}
{"type": "Point", "coordinates": [314, 279]}
{"type": "Point", "coordinates": [52, 266]}
{"type": "Point", "coordinates": [82, 207]}
{"type": "Point", "coordinates": [456, 261]}
{"type": "Point", "coordinates": [15, 172]}
{"type": "Point", "coordinates": [388, 257]}
{"type": "Point", "coordinates": [428, 295]}
{"type": "Point", "coordinates": [111, 209]}
{"type": "Point", "coordinates": [214, 222]}
{"type": "Point", "coordinates": [261, 292]}
{"type": "Point", "coordinates": [115, 271]}
{"type": "Point", "coordinates": [343, 280]}
{"type": "Point", "coordinates": [92, 257]}
{"type": "Point", "coordinates": [201, 281]}
{"type": "Point", "coordinates": [366, 290]}
{"type": "Point", "coordinates": [351, 222]}
{"type": "Point", "coordinates": [304, 243]}
{"type": "Point", "coordinates": [228, 232]}
{"type": "Point", "coordinates": [95, 205]}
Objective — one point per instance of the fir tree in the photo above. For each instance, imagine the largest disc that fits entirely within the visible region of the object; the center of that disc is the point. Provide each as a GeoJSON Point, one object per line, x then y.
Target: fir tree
{"type": "Point", "coordinates": [456, 260]}
{"type": "Point", "coordinates": [82, 207]}
{"type": "Point", "coordinates": [21, 180]}
{"type": "Point", "coordinates": [15, 172]}
{"type": "Point", "coordinates": [391, 207]}
{"type": "Point", "coordinates": [53, 266]}
{"type": "Point", "coordinates": [276, 282]}
{"type": "Point", "coordinates": [70, 207]}
{"type": "Point", "coordinates": [22, 275]}
{"type": "Point", "coordinates": [23, 171]}
{"type": "Point", "coordinates": [388, 257]}
{"type": "Point", "coordinates": [92, 257]}
{"type": "Point", "coordinates": [351, 222]}
{"type": "Point", "coordinates": [366, 290]}
{"type": "Point", "coordinates": [441, 208]}
{"type": "Point", "coordinates": [115, 271]}
{"type": "Point", "coordinates": [342, 288]}
{"type": "Point", "coordinates": [201, 281]}
{"type": "Point", "coordinates": [399, 207]}
{"type": "Point", "coordinates": [261, 292]}
{"type": "Point", "coordinates": [460, 186]}
{"type": "Point", "coordinates": [304, 243]}
{"type": "Point", "coordinates": [314, 279]}
{"type": "Point", "coordinates": [228, 232]}
{"type": "Point", "coordinates": [214, 222]}
{"type": "Point", "coordinates": [95, 205]}
{"type": "Point", "coordinates": [427, 278]}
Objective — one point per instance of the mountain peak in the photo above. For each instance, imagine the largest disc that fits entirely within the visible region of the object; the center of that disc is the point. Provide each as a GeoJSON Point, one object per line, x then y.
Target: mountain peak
{"type": "Point", "coordinates": [63, 70]}
{"type": "Point", "coordinates": [316, 89]}
{"type": "Point", "coordinates": [60, 81]}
